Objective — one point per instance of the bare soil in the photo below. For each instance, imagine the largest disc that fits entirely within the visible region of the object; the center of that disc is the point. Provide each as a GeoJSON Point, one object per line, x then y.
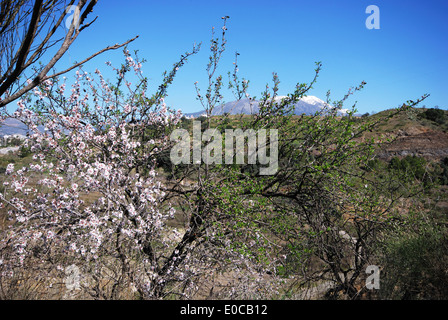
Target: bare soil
{"type": "Point", "coordinates": [428, 144]}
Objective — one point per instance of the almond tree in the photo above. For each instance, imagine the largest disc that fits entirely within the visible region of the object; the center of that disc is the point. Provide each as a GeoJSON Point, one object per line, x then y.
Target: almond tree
{"type": "Point", "coordinates": [90, 145]}
{"type": "Point", "coordinates": [99, 202]}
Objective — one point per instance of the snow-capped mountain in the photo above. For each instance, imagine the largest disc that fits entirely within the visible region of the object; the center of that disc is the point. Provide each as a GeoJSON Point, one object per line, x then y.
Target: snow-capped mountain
{"type": "Point", "coordinates": [308, 105]}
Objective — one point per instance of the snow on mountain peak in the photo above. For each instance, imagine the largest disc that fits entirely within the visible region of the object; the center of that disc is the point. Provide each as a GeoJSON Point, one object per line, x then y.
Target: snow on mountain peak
{"type": "Point", "coordinates": [315, 101]}
{"type": "Point", "coordinates": [312, 100]}
{"type": "Point", "coordinates": [306, 105]}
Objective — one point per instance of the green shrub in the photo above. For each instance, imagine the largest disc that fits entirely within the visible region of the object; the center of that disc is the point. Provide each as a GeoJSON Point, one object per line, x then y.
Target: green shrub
{"type": "Point", "coordinates": [415, 266]}
{"type": "Point", "coordinates": [436, 115]}
{"type": "Point", "coordinates": [24, 152]}
{"type": "Point", "coordinates": [4, 161]}
{"type": "Point", "coordinates": [444, 173]}
{"type": "Point", "coordinates": [373, 165]}
{"type": "Point", "coordinates": [416, 166]}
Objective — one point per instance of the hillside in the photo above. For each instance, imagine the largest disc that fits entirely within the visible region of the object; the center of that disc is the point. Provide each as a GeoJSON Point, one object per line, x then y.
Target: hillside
{"type": "Point", "coordinates": [414, 135]}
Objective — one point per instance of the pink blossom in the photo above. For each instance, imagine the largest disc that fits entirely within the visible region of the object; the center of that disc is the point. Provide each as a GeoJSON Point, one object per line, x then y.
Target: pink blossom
{"type": "Point", "coordinates": [9, 168]}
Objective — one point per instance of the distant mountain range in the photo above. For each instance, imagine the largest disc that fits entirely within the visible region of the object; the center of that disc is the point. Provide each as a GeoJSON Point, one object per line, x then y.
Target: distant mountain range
{"type": "Point", "coordinates": [307, 105]}
{"type": "Point", "coordinates": [12, 126]}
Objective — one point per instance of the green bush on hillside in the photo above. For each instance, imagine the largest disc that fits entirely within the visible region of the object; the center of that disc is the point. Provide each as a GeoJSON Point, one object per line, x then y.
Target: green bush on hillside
{"type": "Point", "coordinates": [444, 174]}
{"type": "Point", "coordinates": [415, 265]}
{"type": "Point", "coordinates": [416, 166]}
{"type": "Point", "coordinates": [435, 115]}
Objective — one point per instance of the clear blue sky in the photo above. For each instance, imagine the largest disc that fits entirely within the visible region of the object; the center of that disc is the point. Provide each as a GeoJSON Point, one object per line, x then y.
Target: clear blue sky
{"type": "Point", "coordinates": [404, 59]}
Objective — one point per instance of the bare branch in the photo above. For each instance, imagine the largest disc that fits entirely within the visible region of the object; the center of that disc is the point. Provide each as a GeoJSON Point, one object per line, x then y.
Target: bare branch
{"type": "Point", "coordinates": [17, 15]}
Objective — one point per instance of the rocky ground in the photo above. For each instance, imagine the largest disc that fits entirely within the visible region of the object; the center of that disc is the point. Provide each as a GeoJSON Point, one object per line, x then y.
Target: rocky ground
{"type": "Point", "coordinates": [428, 144]}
